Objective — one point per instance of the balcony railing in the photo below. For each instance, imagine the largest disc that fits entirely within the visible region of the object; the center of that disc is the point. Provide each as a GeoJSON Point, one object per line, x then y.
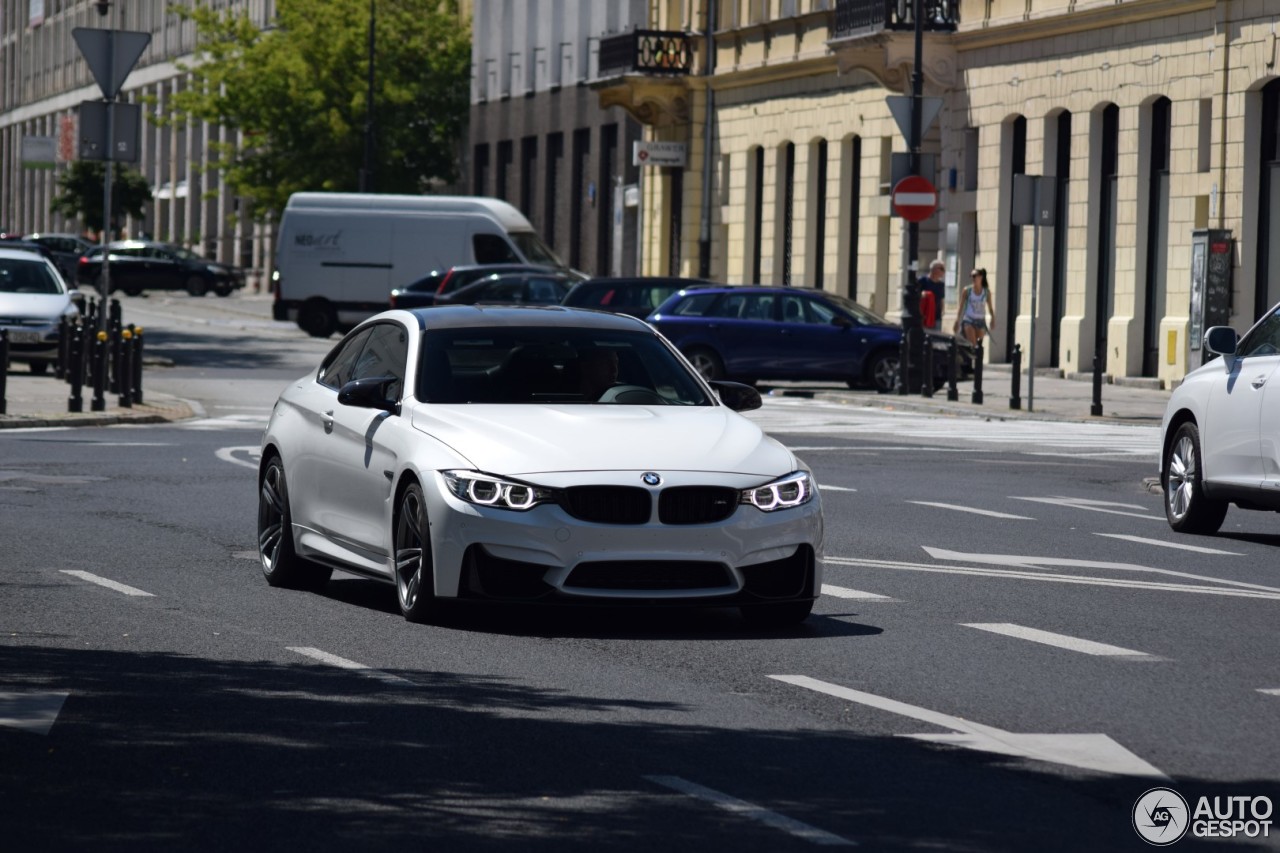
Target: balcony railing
{"type": "Point", "coordinates": [856, 17]}
{"type": "Point", "coordinates": [646, 52]}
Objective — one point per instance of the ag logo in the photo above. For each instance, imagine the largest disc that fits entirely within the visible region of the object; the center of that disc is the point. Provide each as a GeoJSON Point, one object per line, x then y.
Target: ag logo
{"type": "Point", "coordinates": [1161, 817]}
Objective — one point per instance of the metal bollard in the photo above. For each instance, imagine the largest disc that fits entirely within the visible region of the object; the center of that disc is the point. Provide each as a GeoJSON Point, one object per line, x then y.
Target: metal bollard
{"type": "Point", "coordinates": [75, 370]}
{"type": "Point", "coordinates": [116, 315]}
{"type": "Point", "coordinates": [926, 380]}
{"type": "Point", "coordinates": [1015, 384]}
{"type": "Point", "coordinates": [904, 364]}
{"type": "Point", "coordinates": [953, 355]}
{"type": "Point", "coordinates": [1096, 408]}
{"type": "Point", "coordinates": [114, 348]}
{"type": "Point", "coordinates": [99, 402]}
{"type": "Point", "coordinates": [126, 369]}
{"type": "Point", "coordinates": [4, 369]}
{"type": "Point", "coordinates": [137, 364]}
{"type": "Point", "coordinates": [976, 396]}
{"type": "Point", "coordinates": [64, 346]}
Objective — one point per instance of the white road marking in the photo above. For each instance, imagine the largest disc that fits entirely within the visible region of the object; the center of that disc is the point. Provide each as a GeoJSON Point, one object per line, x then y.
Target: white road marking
{"type": "Point", "coordinates": [1062, 641]}
{"type": "Point", "coordinates": [1270, 691]}
{"type": "Point", "coordinates": [751, 811]}
{"type": "Point", "coordinates": [845, 592]}
{"type": "Point", "coordinates": [973, 509]}
{"type": "Point", "coordinates": [1095, 752]}
{"type": "Point", "coordinates": [34, 712]}
{"type": "Point", "coordinates": [1047, 577]}
{"type": "Point", "coordinates": [1092, 506]}
{"type": "Point", "coordinates": [836, 488]}
{"type": "Point", "coordinates": [109, 584]}
{"type": "Point", "coordinates": [228, 454]}
{"type": "Point", "coordinates": [343, 663]}
{"type": "Point", "coordinates": [244, 421]}
{"type": "Point", "coordinates": [1199, 549]}
{"type": "Point", "coordinates": [1033, 562]}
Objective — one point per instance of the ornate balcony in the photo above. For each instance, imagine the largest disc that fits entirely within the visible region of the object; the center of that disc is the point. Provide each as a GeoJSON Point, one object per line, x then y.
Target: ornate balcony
{"type": "Point", "coordinates": [876, 36]}
{"type": "Point", "coordinates": [646, 52]}
{"type": "Point", "coordinates": [643, 72]}
{"type": "Point", "coordinates": [855, 18]}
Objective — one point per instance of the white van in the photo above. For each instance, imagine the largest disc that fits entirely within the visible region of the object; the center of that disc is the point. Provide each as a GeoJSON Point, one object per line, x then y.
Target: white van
{"type": "Point", "coordinates": [339, 255]}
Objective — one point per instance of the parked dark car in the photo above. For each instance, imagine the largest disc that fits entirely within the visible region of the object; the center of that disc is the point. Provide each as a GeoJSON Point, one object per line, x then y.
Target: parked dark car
{"type": "Point", "coordinates": [522, 288]}
{"type": "Point", "coordinates": [750, 333]}
{"type": "Point", "coordinates": [67, 250]}
{"type": "Point", "coordinates": [138, 265]}
{"type": "Point", "coordinates": [426, 290]}
{"type": "Point", "coordinates": [638, 297]}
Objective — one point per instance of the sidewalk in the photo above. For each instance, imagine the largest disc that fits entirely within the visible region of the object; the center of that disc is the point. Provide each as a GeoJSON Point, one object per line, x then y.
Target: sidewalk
{"type": "Point", "coordinates": [41, 401]}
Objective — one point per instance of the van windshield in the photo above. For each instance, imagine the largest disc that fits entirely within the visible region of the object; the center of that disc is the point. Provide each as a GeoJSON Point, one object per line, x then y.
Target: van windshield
{"type": "Point", "coordinates": [534, 250]}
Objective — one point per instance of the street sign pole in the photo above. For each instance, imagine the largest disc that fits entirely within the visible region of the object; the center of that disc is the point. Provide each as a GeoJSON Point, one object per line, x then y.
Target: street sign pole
{"type": "Point", "coordinates": [1035, 288]}
{"type": "Point", "coordinates": [104, 236]}
{"type": "Point", "coordinates": [912, 326]}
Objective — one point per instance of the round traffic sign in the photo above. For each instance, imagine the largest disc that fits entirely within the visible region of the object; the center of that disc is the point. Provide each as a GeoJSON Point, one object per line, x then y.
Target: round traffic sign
{"type": "Point", "coordinates": [915, 198]}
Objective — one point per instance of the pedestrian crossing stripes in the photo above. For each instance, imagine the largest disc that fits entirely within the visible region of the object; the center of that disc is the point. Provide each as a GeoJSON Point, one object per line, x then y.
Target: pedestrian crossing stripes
{"type": "Point", "coordinates": [1054, 438]}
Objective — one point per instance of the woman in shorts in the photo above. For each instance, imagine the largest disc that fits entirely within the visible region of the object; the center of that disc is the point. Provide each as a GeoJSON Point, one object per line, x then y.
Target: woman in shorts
{"type": "Point", "coordinates": [975, 305]}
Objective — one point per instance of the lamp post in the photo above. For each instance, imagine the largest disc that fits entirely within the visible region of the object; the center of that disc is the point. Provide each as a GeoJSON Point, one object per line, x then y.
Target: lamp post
{"type": "Point", "coordinates": [366, 173]}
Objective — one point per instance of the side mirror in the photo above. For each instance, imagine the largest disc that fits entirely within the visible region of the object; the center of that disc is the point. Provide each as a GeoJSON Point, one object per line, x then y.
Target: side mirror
{"type": "Point", "coordinates": [739, 397]}
{"type": "Point", "coordinates": [372, 392]}
{"type": "Point", "coordinates": [842, 321]}
{"type": "Point", "coordinates": [1222, 340]}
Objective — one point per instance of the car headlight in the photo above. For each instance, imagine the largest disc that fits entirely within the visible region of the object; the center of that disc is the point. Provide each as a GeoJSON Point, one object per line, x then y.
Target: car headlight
{"type": "Point", "coordinates": [795, 489]}
{"type": "Point", "coordinates": [487, 490]}
{"type": "Point", "coordinates": [216, 270]}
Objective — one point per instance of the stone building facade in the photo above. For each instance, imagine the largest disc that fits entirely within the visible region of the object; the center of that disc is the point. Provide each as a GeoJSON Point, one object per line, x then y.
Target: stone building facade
{"type": "Point", "coordinates": [1151, 119]}
{"type": "Point", "coordinates": [43, 79]}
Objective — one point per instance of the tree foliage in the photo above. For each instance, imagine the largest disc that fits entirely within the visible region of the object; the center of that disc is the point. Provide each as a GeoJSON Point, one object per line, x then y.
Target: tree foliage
{"type": "Point", "coordinates": [297, 93]}
{"type": "Point", "coordinates": [80, 192]}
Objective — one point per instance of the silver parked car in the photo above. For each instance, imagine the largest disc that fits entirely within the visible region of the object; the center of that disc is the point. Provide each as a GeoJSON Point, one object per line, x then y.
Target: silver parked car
{"type": "Point", "coordinates": [1220, 438]}
{"type": "Point", "coordinates": [33, 298]}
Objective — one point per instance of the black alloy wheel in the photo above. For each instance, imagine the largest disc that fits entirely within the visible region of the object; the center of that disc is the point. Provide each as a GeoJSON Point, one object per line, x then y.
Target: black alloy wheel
{"type": "Point", "coordinates": [882, 373]}
{"type": "Point", "coordinates": [317, 318]}
{"type": "Point", "coordinates": [415, 578]}
{"type": "Point", "coordinates": [196, 285]}
{"type": "Point", "coordinates": [706, 362]}
{"type": "Point", "coordinates": [281, 565]}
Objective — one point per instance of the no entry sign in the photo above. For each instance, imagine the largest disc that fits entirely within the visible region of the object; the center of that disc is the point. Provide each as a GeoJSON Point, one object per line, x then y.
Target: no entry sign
{"type": "Point", "coordinates": [915, 198]}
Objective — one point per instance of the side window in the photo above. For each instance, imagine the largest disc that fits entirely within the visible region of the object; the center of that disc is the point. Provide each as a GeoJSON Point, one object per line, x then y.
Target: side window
{"type": "Point", "coordinates": [819, 312]}
{"type": "Point", "coordinates": [793, 309]}
{"type": "Point", "coordinates": [1264, 339]}
{"type": "Point", "coordinates": [759, 307]}
{"type": "Point", "coordinates": [699, 305]}
{"type": "Point", "coordinates": [544, 291]}
{"type": "Point", "coordinates": [501, 291]}
{"type": "Point", "coordinates": [384, 354]}
{"type": "Point", "coordinates": [493, 249]}
{"type": "Point", "coordinates": [732, 305]}
{"type": "Point", "coordinates": [336, 370]}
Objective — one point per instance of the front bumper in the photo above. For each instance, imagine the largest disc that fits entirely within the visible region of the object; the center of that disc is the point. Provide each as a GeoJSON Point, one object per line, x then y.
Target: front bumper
{"type": "Point", "coordinates": [547, 554]}
{"type": "Point", "coordinates": [29, 342]}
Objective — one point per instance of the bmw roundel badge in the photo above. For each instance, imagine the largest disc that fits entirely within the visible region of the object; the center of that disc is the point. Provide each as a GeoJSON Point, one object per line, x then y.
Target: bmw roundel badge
{"type": "Point", "coordinates": [651, 479]}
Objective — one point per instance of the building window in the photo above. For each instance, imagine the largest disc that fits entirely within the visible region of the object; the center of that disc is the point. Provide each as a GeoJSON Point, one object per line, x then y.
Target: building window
{"type": "Point", "coordinates": [853, 166]}
{"type": "Point", "coordinates": [502, 169]}
{"type": "Point", "coordinates": [1017, 130]}
{"type": "Point", "coordinates": [788, 207]}
{"type": "Point", "coordinates": [578, 192]}
{"type": "Point", "coordinates": [604, 188]}
{"type": "Point", "coordinates": [528, 173]}
{"type": "Point", "coordinates": [480, 170]}
{"type": "Point", "coordinates": [1157, 233]}
{"type": "Point", "coordinates": [819, 161]}
{"type": "Point", "coordinates": [1104, 305]}
{"type": "Point", "coordinates": [551, 196]}
{"type": "Point", "coordinates": [755, 203]}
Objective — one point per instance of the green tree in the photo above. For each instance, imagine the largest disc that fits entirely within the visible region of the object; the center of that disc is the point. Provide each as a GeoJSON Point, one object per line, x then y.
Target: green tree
{"type": "Point", "coordinates": [297, 93]}
{"type": "Point", "coordinates": [80, 192]}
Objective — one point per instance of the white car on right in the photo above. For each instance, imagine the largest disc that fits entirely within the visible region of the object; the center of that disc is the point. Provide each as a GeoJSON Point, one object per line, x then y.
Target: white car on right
{"type": "Point", "coordinates": [1220, 438]}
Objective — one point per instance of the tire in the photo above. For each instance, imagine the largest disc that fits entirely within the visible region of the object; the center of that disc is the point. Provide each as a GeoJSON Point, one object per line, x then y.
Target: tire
{"type": "Point", "coordinates": [706, 362]}
{"type": "Point", "coordinates": [39, 368]}
{"type": "Point", "coordinates": [772, 616]}
{"type": "Point", "coordinates": [415, 577]}
{"type": "Point", "coordinates": [1186, 506]}
{"type": "Point", "coordinates": [222, 289]}
{"type": "Point", "coordinates": [132, 290]}
{"type": "Point", "coordinates": [196, 286]}
{"type": "Point", "coordinates": [882, 372]}
{"type": "Point", "coordinates": [281, 565]}
{"type": "Point", "coordinates": [317, 318]}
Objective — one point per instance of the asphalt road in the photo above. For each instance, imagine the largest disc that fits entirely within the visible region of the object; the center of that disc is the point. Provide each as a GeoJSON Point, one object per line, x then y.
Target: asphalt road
{"type": "Point", "coordinates": [1008, 591]}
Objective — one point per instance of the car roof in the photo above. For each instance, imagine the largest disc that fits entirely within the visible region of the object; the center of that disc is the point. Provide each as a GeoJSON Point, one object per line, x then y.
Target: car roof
{"type": "Point", "coordinates": [611, 281]}
{"type": "Point", "coordinates": [761, 288]}
{"type": "Point", "coordinates": [20, 252]}
{"type": "Point", "coordinates": [512, 316]}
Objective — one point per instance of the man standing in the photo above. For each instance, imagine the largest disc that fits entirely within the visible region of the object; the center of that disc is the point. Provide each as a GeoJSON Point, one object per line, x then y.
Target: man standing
{"type": "Point", "coordinates": [934, 284]}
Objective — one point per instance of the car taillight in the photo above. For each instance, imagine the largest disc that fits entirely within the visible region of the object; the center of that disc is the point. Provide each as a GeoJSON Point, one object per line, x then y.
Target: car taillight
{"type": "Point", "coordinates": [393, 300]}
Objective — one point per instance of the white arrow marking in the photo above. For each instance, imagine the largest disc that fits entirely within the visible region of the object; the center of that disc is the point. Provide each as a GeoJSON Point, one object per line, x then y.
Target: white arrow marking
{"type": "Point", "coordinates": [989, 512]}
{"type": "Point", "coordinates": [1270, 691]}
{"type": "Point", "coordinates": [1062, 641]}
{"type": "Point", "coordinates": [1199, 549]}
{"type": "Point", "coordinates": [31, 712]}
{"type": "Point", "coordinates": [228, 454]}
{"type": "Point", "coordinates": [1092, 506]}
{"type": "Point", "coordinates": [1095, 752]}
{"type": "Point", "coordinates": [1037, 562]}
{"type": "Point", "coordinates": [344, 663]}
{"type": "Point", "coordinates": [751, 811]}
{"type": "Point", "coordinates": [845, 592]}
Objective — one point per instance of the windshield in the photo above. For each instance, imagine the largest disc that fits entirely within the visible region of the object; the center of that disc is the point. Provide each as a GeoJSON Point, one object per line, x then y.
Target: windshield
{"type": "Point", "coordinates": [558, 365]}
{"type": "Point", "coordinates": [534, 250]}
{"type": "Point", "coordinates": [185, 254]}
{"type": "Point", "coordinates": [862, 315]}
{"type": "Point", "coordinates": [27, 277]}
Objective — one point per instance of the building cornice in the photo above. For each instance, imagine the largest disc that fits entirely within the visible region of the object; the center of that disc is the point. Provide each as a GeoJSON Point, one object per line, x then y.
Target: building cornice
{"type": "Point", "coordinates": [1013, 31]}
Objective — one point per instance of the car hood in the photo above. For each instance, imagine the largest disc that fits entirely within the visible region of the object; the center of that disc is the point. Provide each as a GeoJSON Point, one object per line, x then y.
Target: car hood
{"type": "Point", "coordinates": [33, 306]}
{"type": "Point", "coordinates": [524, 440]}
